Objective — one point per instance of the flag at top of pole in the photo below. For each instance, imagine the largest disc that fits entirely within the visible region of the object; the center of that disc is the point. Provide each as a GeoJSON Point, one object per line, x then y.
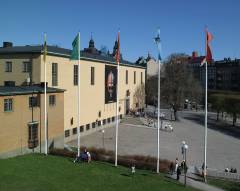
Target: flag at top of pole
{"type": "Point", "coordinates": [45, 48]}
{"type": "Point", "coordinates": [75, 55]}
{"type": "Point", "coordinates": [45, 92]}
{"type": "Point", "coordinates": [118, 48]}
{"type": "Point", "coordinates": [157, 41]}
{"type": "Point", "coordinates": [208, 58]}
{"type": "Point", "coordinates": [117, 56]}
{"type": "Point", "coordinates": [209, 38]}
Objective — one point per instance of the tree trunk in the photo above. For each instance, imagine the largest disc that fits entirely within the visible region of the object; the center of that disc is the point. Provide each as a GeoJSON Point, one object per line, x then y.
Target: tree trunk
{"type": "Point", "coordinates": [234, 119]}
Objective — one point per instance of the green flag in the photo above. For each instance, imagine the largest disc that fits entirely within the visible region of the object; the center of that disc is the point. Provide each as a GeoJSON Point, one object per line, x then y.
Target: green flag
{"type": "Point", "coordinates": [75, 55]}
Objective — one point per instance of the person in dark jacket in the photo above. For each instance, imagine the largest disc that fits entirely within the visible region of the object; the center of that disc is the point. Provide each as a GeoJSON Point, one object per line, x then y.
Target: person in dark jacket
{"type": "Point", "coordinates": [178, 172]}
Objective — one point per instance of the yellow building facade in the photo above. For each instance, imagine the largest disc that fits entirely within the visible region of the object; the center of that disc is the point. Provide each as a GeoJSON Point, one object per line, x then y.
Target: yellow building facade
{"type": "Point", "coordinates": [22, 119]}
{"type": "Point", "coordinates": [95, 111]}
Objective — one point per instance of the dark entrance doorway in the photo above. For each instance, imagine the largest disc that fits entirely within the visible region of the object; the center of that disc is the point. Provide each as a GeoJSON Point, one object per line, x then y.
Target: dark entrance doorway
{"type": "Point", "coordinates": [127, 106]}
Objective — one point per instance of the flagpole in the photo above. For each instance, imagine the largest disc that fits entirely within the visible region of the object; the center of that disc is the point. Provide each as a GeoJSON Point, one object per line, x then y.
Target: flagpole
{"type": "Point", "coordinates": [205, 129]}
{"type": "Point", "coordinates": [117, 119]}
{"type": "Point", "coordinates": [45, 98]}
{"type": "Point", "coordinates": [157, 41]}
{"type": "Point", "coordinates": [117, 109]}
{"type": "Point", "coordinates": [78, 95]}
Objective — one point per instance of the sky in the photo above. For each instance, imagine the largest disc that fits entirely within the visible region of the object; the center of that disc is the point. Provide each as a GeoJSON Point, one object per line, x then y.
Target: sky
{"type": "Point", "coordinates": [181, 22]}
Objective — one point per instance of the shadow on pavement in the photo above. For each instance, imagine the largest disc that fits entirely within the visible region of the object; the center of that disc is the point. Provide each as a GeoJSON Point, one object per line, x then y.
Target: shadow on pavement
{"type": "Point", "coordinates": [220, 126]}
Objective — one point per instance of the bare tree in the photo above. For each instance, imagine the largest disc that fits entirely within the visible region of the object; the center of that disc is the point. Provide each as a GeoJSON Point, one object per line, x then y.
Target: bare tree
{"type": "Point", "coordinates": [179, 83]}
{"type": "Point", "coordinates": [139, 96]}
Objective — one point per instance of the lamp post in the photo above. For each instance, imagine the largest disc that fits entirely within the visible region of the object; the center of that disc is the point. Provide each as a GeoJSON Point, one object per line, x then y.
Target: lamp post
{"type": "Point", "coordinates": [184, 152]}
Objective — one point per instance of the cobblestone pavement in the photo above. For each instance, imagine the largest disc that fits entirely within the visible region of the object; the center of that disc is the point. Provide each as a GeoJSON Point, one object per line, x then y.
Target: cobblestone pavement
{"type": "Point", "coordinates": [134, 138]}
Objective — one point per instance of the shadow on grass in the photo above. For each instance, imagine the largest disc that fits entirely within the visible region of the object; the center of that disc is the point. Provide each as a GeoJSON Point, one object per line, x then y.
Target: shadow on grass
{"type": "Point", "coordinates": [126, 174]}
{"type": "Point", "coordinates": [172, 181]}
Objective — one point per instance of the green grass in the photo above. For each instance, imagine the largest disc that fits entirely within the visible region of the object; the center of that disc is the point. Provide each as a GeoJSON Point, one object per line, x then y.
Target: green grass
{"type": "Point", "coordinates": [225, 184]}
{"type": "Point", "coordinates": [36, 172]}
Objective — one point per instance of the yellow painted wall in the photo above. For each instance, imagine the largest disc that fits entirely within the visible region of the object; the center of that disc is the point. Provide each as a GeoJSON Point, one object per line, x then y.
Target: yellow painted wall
{"type": "Point", "coordinates": [92, 96]}
{"type": "Point", "coordinates": [13, 125]}
{"type": "Point", "coordinates": [17, 73]}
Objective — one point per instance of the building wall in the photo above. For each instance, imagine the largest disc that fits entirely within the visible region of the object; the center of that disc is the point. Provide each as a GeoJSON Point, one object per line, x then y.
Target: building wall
{"type": "Point", "coordinates": [17, 73]}
{"type": "Point", "coordinates": [14, 124]}
{"type": "Point", "coordinates": [92, 96]}
{"type": "Point", "coordinates": [152, 67]}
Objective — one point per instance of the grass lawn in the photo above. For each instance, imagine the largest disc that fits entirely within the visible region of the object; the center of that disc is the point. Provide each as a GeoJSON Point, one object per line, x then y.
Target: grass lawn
{"type": "Point", "coordinates": [37, 172]}
{"type": "Point", "coordinates": [225, 184]}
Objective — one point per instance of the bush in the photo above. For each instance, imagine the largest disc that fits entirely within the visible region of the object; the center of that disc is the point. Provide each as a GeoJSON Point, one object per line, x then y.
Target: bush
{"type": "Point", "coordinates": [140, 162]}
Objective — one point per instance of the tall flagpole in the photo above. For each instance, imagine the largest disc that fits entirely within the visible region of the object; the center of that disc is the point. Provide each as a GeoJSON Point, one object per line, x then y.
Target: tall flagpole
{"type": "Point", "coordinates": [157, 41]}
{"type": "Point", "coordinates": [205, 130]}
{"type": "Point", "coordinates": [78, 94]}
{"type": "Point", "coordinates": [117, 119]}
{"type": "Point", "coordinates": [117, 109]}
{"type": "Point", "coordinates": [45, 96]}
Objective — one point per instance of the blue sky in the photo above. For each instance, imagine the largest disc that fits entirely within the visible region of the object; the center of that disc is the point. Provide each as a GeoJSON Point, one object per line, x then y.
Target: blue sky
{"type": "Point", "coordinates": [181, 22]}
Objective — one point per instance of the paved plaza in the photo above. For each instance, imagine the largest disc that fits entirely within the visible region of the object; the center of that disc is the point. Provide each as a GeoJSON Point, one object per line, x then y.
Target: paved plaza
{"type": "Point", "coordinates": [134, 138]}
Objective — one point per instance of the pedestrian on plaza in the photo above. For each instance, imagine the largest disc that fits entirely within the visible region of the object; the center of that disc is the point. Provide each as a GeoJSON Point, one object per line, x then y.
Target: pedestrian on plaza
{"type": "Point", "coordinates": [178, 172]}
{"type": "Point", "coordinates": [176, 165]}
{"type": "Point", "coordinates": [171, 168]}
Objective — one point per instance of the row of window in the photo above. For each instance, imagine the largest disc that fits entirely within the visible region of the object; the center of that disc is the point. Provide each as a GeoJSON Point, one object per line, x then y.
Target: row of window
{"type": "Point", "coordinates": [34, 101]}
{"type": "Point", "coordinates": [134, 77]}
{"type": "Point", "coordinates": [93, 125]}
{"type": "Point", "coordinates": [26, 67]}
{"type": "Point", "coordinates": [75, 75]}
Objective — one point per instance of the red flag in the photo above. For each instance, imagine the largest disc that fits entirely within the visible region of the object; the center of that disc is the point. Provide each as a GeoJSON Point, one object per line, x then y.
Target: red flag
{"type": "Point", "coordinates": [118, 48]}
{"type": "Point", "coordinates": [209, 37]}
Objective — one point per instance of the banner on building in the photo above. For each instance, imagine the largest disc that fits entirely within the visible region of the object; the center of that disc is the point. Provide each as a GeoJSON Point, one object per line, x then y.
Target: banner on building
{"type": "Point", "coordinates": [110, 84]}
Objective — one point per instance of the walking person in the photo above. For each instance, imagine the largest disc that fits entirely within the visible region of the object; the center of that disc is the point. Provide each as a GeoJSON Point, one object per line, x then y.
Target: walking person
{"type": "Point", "coordinates": [178, 172]}
{"type": "Point", "coordinates": [176, 165]}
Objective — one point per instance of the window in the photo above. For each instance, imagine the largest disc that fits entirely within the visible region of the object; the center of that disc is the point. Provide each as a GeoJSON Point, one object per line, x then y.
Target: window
{"type": "Point", "coordinates": [113, 119]}
{"type": "Point", "coordinates": [75, 75]}
{"type": "Point", "coordinates": [109, 120]}
{"type": "Point", "coordinates": [141, 77]}
{"type": "Point", "coordinates": [134, 76]}
{"type": "Point", "coordinates": [32, 135]}
{"type": "Point", "coordinates": [121, 116]}
{"type": "Point", "coordinates": [8, 104]}
{"type": "Point", "coordinates": [26, 67]}
{"type": "Point", "coordinates": [81, 128]}
{"type": "Point", "coordinates": [52, 100]}
{"type": "Point", "coordinates": [104, 121]}
{"type": "Point", "coordinates": [9, 83]}
{"type": "Point", "coordinates": [8, 67]}
{"type": "Point", "coordinates": [87, 126]}
{"type": "Point", "coordinates": [126, 76]}
{"type": "Point", "coordinates": [99, 123]}
{"type": "Point", "coordinates": [93, 125]}
{"type": "Point", "coordinates": [74, 131]}
{"type": "Point", "coordinates": [67, 133]}
{"type": "Point", "coordinates": [92, 75]}
{"type": "Point", "coordinates": [54, 74]}
{"type": "Point", "coordinates": [33, 101]}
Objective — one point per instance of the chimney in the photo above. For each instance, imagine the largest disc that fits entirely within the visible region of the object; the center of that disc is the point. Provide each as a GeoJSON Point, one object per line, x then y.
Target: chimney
{"type": "Point", "coordinates": [7, 44]}
{"type": "Point", "coordinates": [194, 54]}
